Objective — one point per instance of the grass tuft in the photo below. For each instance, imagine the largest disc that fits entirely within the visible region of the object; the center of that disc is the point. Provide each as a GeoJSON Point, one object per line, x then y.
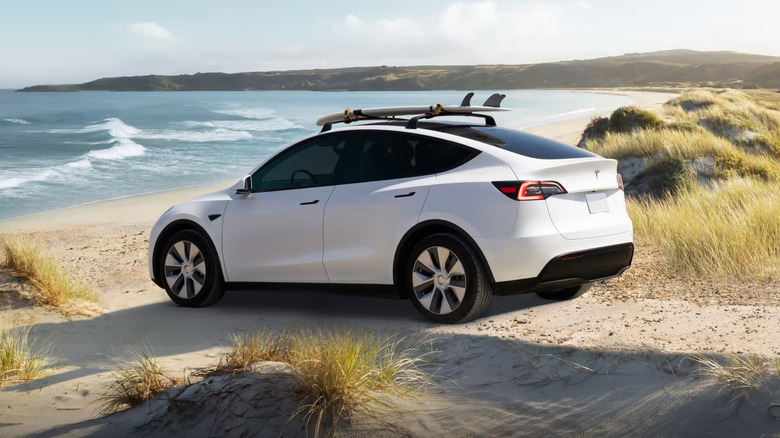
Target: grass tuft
{"type": "Point", "coordinates": [738, 373]}
{"type": "Point", "coordinates": [135, 382]}
{"type": "Point", "coordinates": [341, 372]}
{"type": "Point", "coordinates": [248, 349]}
{"type": "Point", "coordinates": [52, 284]}
{"type": "Point", "coordinates": [338, 372]}
{"type": "Point", "coordinates": [20, 359]}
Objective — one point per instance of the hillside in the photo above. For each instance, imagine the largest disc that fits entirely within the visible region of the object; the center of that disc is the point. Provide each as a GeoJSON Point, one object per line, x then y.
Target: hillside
{"type": "Point", "coordinates": [635, 69]}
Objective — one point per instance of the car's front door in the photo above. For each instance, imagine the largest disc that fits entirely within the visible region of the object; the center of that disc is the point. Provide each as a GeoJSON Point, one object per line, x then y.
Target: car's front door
{"type": "Point", "coordinates": [274, 234]}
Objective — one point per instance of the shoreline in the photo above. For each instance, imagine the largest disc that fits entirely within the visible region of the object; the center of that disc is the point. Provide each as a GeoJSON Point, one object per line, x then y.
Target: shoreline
{"type": "Point", "coordinates": [569, 131]}
{"type": "Point", "coordinates": [126, 209]}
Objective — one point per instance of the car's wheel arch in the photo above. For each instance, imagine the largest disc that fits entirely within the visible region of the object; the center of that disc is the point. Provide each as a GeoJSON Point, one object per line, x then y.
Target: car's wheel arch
{"type": "Point", "coordinates": [421, 231]}
{"type": "Point", "coordinates": [173, 228]}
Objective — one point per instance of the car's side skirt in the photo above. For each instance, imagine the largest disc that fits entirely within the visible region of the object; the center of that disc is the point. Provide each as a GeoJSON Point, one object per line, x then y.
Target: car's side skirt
{"type": "Point", "coordinates": [370, 290]}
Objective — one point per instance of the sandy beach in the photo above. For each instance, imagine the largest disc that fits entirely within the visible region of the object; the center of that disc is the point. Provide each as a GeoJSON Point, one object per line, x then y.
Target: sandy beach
{"type": "Point", "coordinates": [611, 363]}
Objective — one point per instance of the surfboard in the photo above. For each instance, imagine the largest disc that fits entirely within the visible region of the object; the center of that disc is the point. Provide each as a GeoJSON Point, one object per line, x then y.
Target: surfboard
{"type": "Point", "coordinates": [491, 105]}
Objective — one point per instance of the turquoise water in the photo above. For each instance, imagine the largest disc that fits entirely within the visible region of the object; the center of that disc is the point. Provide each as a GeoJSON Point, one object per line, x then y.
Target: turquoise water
{"type": "Point", "coordinates": [64, 149]}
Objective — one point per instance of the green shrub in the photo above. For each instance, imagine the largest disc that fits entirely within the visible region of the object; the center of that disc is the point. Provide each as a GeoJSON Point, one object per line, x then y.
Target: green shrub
{"type": "Point", "coordinates": [597, 128]}
{"type": "Point", "coordinates": [669, 175]}
{"type": "Point", "coordinates": [732, 164]}
{"type": "Point", "coordinates": [631, 118]}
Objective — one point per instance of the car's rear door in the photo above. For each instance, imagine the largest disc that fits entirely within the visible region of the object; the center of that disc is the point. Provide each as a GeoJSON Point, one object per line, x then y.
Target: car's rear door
{"type": "Point", "coordinates": [384, 181]}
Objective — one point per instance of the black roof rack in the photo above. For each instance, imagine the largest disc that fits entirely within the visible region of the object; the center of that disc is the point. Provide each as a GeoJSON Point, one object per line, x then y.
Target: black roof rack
{"type": "Point", "coordinates": [465, 109]}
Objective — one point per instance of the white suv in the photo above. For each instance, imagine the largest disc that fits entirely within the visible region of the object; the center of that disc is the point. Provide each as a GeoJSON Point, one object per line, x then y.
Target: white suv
{"type": "Point", "coordinates": [445, 214]}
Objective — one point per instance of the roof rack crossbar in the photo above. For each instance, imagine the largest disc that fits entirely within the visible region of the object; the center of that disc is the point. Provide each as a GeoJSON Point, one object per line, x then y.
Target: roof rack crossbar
{"type": "Point", "coordinates": [489, 120]}
{"type": "Point", "coordinates": [360, 117]}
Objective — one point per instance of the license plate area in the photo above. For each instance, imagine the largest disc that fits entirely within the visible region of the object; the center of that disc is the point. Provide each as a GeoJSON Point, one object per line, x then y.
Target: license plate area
{"type": "Point", "coordinates": [597, 203]}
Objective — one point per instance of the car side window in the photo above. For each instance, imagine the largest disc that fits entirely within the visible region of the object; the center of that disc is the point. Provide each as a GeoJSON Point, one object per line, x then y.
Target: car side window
{"type": "Point", "coordinates": [377, 155]}
{"type": "Point", "coordinates": [308, 164]}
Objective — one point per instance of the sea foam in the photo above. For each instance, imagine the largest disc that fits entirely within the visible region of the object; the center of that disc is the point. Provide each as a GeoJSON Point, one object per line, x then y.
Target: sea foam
{"type": "Point", "coordinates": [17, 121]}
{"type": "Point", "coordinates": [258, 113]}
{"type": "Point", "coordinates": [268, 125]}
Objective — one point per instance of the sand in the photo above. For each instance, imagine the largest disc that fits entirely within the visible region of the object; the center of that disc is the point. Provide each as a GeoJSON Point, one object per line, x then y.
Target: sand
{"type": "Point", "coordinates": [570, 132]}
{"type": "Point", "coordinates": [611, 363]}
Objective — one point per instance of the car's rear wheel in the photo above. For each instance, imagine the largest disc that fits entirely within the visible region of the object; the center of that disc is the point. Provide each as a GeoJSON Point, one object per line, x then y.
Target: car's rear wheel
{"type": "Point", "coordinates": [446, 280]}
{"type": "Point", "coordinates": [565, 294]}
{"type": "Point", "coordinates": [190, 270]}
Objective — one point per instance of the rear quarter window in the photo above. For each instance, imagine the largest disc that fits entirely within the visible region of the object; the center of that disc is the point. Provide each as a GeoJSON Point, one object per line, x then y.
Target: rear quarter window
{"type": "Point", "coordinates": [519, 142]}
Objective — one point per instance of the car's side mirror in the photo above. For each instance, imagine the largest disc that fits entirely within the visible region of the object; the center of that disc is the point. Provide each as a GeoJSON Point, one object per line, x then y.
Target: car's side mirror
{"type": "Point", "coordinates": [247, 188]}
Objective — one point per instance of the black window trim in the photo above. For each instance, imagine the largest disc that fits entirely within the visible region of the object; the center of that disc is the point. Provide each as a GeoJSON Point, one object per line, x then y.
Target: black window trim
{"type": "Point", "coordinates": [474, 153]}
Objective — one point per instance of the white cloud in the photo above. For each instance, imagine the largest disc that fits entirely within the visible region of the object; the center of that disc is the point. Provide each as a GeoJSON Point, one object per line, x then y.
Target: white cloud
{"type": "Point", "coordinates": [350, 22]}
{"type": "Point", "coordinates": [463, 32]}
{"type": "Point", "coordinates": [582, 4]}
{"type": "Point", "coordinates": [149, 31]}
{"type": "Point", "coordinates": [468, 19]}
{"type": "Point", "coordinates": [400, 26]}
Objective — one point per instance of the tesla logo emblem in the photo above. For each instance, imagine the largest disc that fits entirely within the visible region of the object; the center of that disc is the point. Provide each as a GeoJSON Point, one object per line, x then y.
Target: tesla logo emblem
{"type": "Point", "coordinates": [597, 173]}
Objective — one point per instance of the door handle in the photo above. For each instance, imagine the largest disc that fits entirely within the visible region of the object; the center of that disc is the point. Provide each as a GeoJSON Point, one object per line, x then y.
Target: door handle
{"type": "Point", "coordinates": [310, 202]}
{"type": "Point", "coordinates": [405, 196]}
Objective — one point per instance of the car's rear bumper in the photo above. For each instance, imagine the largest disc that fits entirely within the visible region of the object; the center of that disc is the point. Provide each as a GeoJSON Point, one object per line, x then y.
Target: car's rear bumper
{"type": "Point", "coordinates": [573, 269]}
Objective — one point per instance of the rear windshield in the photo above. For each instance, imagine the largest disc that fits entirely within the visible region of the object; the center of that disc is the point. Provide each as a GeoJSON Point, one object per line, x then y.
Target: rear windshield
{"type": "Point", "coordinates": [518, 142]}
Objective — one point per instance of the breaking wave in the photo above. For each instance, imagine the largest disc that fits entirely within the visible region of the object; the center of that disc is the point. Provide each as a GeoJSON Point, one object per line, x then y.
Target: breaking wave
{"type": "Point", "coordinates": [17, 121]}
{"type": "Point", "coordinates": [123, 148]}
{"type": "Point", "coordinates": [118, 129]}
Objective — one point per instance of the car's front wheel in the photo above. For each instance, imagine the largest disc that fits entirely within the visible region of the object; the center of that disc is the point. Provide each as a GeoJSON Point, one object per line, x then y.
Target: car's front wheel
{"type": "Point", "coordinates": [191, 273]}
{"type": "Point", "coordinates": [564, 294]}
{"type": "Point", "coordinates": [446, 280]}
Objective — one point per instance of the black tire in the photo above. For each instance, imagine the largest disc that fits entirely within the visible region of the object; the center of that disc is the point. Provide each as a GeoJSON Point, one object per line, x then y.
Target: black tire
{"type": "Point", "coordinates": [212, 288]}
{"type": "Point", "coordinates": [569, 293]}
{"type": "Point", "coordinates": [477, 285]}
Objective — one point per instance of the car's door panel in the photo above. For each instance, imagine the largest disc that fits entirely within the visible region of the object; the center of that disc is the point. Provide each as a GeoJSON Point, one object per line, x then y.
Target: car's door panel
{"type": "Point", "coordinates": [275, 236]}
{"type": "Point", "coordinates": [364, 223]}
{"type": "Point", "coordinates": [387, 177]}
{"type": "Point", "coordinates": [275, 233]}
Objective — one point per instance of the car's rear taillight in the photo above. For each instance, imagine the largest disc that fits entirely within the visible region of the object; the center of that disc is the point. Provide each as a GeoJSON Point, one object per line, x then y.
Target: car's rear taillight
{"type": "Point", "coordinates": [529, 190]}
{"type": "Point", "coordinates": [620, 182]}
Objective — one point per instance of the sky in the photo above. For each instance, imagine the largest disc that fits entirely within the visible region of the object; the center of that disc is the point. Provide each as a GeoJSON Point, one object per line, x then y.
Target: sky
{"type": "Point", "coordinates": [74, 41]}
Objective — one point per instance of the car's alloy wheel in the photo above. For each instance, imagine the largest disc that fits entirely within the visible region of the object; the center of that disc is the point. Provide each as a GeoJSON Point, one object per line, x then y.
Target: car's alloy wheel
{"type": "Point", "coordinates": [191, 273]}
{"type": "Point", "coordinates": [446, 280]}
{"type": "Point", "coordinates": [185, 269]}
{"type": "Point", "coordinates": [439, 280]}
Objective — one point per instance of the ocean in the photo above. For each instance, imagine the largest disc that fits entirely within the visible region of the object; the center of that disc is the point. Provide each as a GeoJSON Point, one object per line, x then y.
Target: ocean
{"type": "Point", "coordinates": [63, 149]}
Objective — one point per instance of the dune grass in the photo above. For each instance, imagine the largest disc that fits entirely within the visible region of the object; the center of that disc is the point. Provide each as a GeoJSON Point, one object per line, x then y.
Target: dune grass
{"type": "Point", "coordinates": [250, 348]}
{"type": "Point", "coordinates": [20, 359]}
{"type": "Point", "coordinates": [732, 230]}
{"type": "Point", "coordinates": [740, 374]}
{"type": "Point", "coordinates": [53, 286]}
{"type": "Point", "coordinates": [339, 372]}
{"type": "Point", "coordinates": [657, 144]}
{"type": "Point", "coordinates": [346, 371]}
{"type": "Point", "coordinates": [748, 119]}
{"type": "Point", "coordinates": [135, 382]}
{"type": "Point", "coordinates": [730, 226]}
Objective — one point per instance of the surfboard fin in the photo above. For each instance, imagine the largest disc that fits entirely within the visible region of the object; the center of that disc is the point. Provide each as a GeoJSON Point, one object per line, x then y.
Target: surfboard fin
{"type": "Point", "coordinates": [467, 100]}
{"type": "Point", "coordinates": [494, 100]}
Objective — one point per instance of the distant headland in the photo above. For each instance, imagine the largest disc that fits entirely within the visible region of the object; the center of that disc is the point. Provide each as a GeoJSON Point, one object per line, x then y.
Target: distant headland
{"type": "Point", "coordinates": [670, 68]}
